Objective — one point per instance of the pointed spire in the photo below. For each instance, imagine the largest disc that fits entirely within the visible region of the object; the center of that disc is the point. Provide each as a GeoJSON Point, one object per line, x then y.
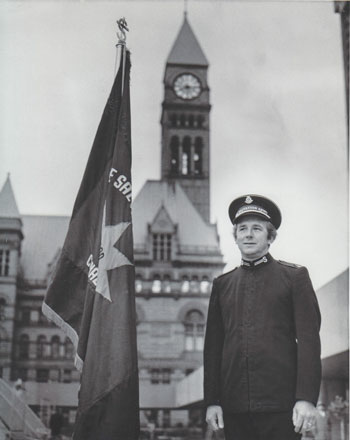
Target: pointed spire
{"type": "Point", "coordinates": [8, 205]}
{"type": "Point", "coordinates": [185, 8]}
{"type": "Point", "coordinates": [186, 49]}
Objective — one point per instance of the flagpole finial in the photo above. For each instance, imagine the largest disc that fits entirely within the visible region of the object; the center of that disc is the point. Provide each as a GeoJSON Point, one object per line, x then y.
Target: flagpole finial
{"type": "Point", "coordinates": [123, 26]}
{"type": "Point", "coordinates": [121, 46]}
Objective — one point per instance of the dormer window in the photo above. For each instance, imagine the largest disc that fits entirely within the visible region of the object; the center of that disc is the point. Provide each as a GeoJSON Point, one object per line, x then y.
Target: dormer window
{"type": "Point", "coordinates": [162, 247]}
{"type": "Point", "coordinates": [162, 234]}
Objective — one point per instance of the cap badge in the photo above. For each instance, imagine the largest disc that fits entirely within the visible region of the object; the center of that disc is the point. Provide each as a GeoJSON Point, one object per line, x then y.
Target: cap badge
{"type": "Point", "coordinates": [248, 200]}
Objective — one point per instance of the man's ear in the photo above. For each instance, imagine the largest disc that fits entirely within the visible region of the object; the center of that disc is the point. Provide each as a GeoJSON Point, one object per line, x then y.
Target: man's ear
{"type": "Point", "coordinates": [271, 240]}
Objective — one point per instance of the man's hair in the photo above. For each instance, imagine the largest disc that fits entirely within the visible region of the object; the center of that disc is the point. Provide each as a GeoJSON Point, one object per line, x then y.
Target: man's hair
{"type": "Point", "coordinates": [271, 230]}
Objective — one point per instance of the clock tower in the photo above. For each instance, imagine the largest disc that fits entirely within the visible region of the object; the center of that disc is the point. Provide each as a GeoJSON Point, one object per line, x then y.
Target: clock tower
{"type": "Point", "coordinates": [185, 120]}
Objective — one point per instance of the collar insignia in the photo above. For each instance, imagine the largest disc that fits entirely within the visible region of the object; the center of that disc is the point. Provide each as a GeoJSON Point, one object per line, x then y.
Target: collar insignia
{"type": "Point", "coordinates": [248, 200]}
{"type": "Point", "coordinates": [262, 260]}
{"type": "Point", "coordinates": [255, 263]}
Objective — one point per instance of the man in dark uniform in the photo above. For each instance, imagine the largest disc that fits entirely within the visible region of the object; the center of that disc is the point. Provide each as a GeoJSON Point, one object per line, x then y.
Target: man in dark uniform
{"type": "Point", "coordinates": [262, 368]}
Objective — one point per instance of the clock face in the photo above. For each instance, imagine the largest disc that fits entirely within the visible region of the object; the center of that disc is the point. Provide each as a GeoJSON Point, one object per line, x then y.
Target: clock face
{"type": "Point", "coordinates": [187, 86]}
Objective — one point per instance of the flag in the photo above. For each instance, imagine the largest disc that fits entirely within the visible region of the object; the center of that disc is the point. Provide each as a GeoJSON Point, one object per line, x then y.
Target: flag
{"type": "Point", "coordinates": [91, 295]}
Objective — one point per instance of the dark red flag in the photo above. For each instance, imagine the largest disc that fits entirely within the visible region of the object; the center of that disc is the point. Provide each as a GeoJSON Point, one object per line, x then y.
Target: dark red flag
{"type": "Point", "coordinates": [91, 295]}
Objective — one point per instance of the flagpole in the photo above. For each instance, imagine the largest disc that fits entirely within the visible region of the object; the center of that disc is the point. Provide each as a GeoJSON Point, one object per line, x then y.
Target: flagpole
{"type": "Point", "coordinates": [121, 48]}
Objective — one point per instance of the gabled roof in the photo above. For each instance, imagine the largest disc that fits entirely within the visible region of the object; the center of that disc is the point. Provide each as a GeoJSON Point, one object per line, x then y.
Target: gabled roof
{"type": "Point", "coordinates": [186, 49]}
{"type": "Point", "coordinates": [162, 222]}
{"type": "Point", "coordinates": [191, 228]}
{"type": "Point", "coordinates": [44, 237]}
{"type": "Point", "coordinates": [8, 205]}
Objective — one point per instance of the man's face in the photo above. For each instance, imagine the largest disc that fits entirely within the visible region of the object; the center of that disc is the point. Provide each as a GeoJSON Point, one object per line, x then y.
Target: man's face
{"type": "Point", "coordinates": [252, 238]}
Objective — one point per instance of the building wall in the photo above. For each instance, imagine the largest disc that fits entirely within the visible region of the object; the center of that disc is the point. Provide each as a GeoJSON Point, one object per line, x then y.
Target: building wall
{"type": "Point", "coordinates": [165, 348]}
{"type": "Point", "coordinates": [10, 246]}
{"type": "Point", "coordinates": [333, 300]}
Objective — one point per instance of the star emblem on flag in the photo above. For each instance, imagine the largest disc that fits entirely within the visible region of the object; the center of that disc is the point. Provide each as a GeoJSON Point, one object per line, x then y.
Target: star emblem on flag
{"type": "Point", "coordinates": [111, 257]}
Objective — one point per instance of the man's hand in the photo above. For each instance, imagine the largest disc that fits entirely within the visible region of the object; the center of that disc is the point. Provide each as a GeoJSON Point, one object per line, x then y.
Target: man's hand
{"type": "Point", "coordinates": [304, 414]}
{"type": "Point", "coordinates": [214, 417]}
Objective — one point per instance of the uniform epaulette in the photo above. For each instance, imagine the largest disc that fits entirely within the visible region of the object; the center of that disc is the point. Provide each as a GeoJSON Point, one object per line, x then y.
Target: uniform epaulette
{"type": "Point", "coordinates": [285, 263]}
{"type": "Point", "coordinates": [226, 273]}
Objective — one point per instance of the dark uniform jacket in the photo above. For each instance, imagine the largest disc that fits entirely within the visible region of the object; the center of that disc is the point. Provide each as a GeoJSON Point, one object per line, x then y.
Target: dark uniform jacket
{"type": "Point", "coordinates": [262, 346]}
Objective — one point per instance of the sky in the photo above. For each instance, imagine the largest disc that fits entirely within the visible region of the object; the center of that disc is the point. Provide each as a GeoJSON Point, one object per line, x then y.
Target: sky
{"type": "Point", "coordinates": [278, 124]}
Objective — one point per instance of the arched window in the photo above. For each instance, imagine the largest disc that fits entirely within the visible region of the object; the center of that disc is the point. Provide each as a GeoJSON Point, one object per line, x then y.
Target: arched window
{"type": "Point", "coordinates": [174, 155]}
{"type": "Point", "coordinates": [68, 349]}
{"type": "Point", "coordinates": [156, 285]}
{"type": "Point", "coordinates": [23, 374]}
{"type": "Point", "coordinates": [186, 156]}
{"type": "Point", "coordinates": [55, 346]}
{"type": "Point", "coordinates": [194, 285]}
{"type": "Point", "coordinates": [4, 262]}
{"type": "Point", "coordinates": [23, 346]}
{"type": "Point", "coordinates": [67, 376]}
{"type": "Point", "coordinates": [198, 156]}
{"type": "Point", "coordinates": [205, 285]}
{"type": "Point", "coordinates": [200, 121]}
{"type": "Point", "coordinates": [183, 120]}
{"type": "Point", "coordinates": [167, 284]}
{"type": "Point", "coordinates": [25, 315]}
{"type": "Point", "coordinates": [42, 318]}
{"type": "Point", "coordinates": [41, 346]}
{"type": "Point", "coordinates": [185, 285]}
{"type": "Point", "coordinates": [173, 119]}
{"type": "Point", "coordinates": [138, 284]}
{"type": "Point", "coordinates": [3, 342]}
{"type": "Point", "coordinates": [34, 316]}
{"type": "Point", "coordinates": [42, 375]}
{"type": "Point", "coordinates": [2, 309]}
{"type": "Point", "coordinates": [194, 331]}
